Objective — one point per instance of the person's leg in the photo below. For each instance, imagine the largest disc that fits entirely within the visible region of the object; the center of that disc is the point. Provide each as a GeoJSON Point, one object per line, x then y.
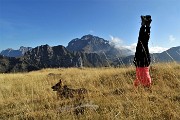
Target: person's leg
{"type": "Point", "coordinates": [142, 56]}
{"type": "Point", "coordinates": [140, 48]}
{"type": "Point", "coordinates": [146, 54]}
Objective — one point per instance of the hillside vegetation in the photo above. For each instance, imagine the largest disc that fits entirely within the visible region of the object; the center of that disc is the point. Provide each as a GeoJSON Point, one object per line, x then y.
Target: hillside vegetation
{"type": "Point", "coordinates": [111, 94]}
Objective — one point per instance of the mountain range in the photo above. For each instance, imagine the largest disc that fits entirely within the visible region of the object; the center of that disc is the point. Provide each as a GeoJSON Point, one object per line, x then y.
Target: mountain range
{"type": "Point", "coordinates": [88, 51]}
{"type": "Point", "coordinates": [15, 53]}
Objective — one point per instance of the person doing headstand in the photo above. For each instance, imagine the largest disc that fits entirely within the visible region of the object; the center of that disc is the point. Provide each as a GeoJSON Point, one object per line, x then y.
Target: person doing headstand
{"type": "Point", "coordinates": [142, 56]}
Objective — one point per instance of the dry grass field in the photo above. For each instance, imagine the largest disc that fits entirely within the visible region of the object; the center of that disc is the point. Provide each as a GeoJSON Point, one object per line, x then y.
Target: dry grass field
{"type": "Point", "coordinates": [111, 95]}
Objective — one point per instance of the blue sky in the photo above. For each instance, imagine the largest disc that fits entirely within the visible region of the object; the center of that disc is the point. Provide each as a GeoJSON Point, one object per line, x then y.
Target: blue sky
{"type": "Point", "coordinates": [55, 22]}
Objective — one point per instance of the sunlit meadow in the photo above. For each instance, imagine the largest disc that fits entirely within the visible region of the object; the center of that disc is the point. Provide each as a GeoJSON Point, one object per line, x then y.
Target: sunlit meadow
{"type": "Point", "coordinates": [111, 95]}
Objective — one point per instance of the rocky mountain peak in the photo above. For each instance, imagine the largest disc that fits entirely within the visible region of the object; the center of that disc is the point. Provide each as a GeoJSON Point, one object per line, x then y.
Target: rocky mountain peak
{"type": "Point", "coordinates": [24, 49]}
{"type": "Point", "coordinates": [88, 44]}
{"type": "Point", "coordinates": [9, 49]}
{"type": "Point", "coordinates": [87, 37]}
{"type": "Point", "coordinates": [94, 44]}
{"type": "Point", "coordinates": [93, 38]}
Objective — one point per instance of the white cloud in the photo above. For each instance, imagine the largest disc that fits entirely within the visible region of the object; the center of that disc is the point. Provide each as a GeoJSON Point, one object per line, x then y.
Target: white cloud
{"type": "Point", "coordinates": [91, 31]}
{"type": "Point", "coordinates": [157, 49]}
{"type": "Point", "coordinates": [132, 47]}
{"type": "Point", "coordinates": [171, 38]}
{"type": "Point", "coordinates": [116, 42]}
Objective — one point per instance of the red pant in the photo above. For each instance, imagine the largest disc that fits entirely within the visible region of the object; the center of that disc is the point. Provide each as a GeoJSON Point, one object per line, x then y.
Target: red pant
{"type": "Point", "coordinates": [142, 77]}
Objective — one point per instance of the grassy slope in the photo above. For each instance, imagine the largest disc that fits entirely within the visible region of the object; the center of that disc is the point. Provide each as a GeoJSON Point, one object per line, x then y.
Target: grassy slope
{"type": "Point", "coordinates": [29, 95]}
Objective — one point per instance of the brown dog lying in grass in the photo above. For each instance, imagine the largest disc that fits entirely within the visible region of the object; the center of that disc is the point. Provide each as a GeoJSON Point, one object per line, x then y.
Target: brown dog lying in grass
{"type": "Point", "coordinates": [66, 92]}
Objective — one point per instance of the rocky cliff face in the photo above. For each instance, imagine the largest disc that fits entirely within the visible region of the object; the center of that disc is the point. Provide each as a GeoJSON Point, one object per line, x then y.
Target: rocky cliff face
{"type": "Point", "coordinates": [45, 56]}
{"type": "Point", "coordinates": [23, 49]}
{"type": "Point", "coordinates": [58, 56]}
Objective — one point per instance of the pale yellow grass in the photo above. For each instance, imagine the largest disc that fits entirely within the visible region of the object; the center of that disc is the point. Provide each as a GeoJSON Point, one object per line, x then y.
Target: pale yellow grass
{"type": "Point", "coordinates": [29, 95]}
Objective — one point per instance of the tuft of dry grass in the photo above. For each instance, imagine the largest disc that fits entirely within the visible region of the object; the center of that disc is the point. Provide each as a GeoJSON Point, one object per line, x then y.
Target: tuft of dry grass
{"type": "Point", "coordinates": [111, 91]}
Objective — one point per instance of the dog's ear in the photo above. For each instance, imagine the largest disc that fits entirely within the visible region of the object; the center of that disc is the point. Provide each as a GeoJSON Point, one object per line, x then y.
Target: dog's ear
{"type": "Point", "coordinates": [60, 82]}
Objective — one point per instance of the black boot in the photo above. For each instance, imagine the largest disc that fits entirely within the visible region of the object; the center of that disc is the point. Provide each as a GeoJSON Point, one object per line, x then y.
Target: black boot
{"type": "Point", "coordinates": [149, 20]}
{"type": "Point", "coordinates": [146, 20]}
